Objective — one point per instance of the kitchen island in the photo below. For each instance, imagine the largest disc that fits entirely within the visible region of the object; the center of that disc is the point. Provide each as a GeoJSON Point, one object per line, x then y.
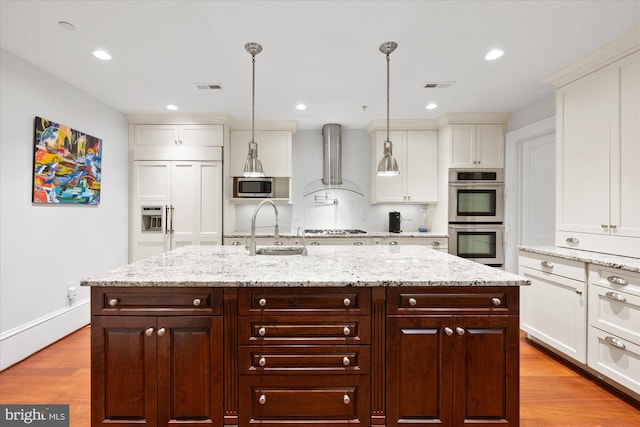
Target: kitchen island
{"type": "Point", "coordinates": [344, 336]}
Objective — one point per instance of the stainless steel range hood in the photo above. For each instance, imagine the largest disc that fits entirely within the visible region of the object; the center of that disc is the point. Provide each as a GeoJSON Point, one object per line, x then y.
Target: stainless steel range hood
{"type": "Point", "coordinates": [332, 164]}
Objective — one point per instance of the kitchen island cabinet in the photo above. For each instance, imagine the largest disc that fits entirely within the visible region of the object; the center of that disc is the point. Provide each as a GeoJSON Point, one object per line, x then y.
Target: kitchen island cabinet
{"type": "Point", "coordinates": [316, 340]}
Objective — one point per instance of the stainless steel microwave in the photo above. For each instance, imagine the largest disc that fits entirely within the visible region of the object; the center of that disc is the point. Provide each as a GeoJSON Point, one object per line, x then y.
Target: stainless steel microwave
{"type": "Point", "coordinates": [252, 187]}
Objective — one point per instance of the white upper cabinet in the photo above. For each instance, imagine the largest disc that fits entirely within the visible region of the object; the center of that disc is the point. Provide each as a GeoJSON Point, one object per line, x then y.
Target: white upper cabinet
{"type": "Point", "coordinates": [176, 135]}
{"type": "Point", "coordinates": [274, 151]}
{"type": "Point", "coordinates": [416, 152]}
{"type": "Point", "coordinates": [476, 146]}
{"type": "Point", "coordinates": [598, 143]}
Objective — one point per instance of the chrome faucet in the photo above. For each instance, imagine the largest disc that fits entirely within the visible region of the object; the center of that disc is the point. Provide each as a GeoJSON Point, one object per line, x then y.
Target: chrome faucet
{"type": "Point", "coordinates": [252, 243]}
{"type": "Point", "coordinates": [304, 246]}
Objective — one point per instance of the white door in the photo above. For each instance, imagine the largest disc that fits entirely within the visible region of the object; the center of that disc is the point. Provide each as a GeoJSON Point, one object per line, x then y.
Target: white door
{"type": "Point", "coordinates": [538, 191]}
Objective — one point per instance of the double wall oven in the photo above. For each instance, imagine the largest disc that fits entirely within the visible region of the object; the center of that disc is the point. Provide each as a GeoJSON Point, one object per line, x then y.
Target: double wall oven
{"type": "Point", "coordinates": [476, 215]}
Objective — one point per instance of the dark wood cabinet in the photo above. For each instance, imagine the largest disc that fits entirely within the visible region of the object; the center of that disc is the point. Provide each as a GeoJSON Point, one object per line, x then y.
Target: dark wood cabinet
{"type": "Point", "coordinates": [156, 370]}
{"type": "Point", "coordinates": [452, 364]}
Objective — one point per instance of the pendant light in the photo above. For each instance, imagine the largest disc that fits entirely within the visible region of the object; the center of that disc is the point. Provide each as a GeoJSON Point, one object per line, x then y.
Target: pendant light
{"type": "Point", "coordinates": [388, 165]}
{"type": "Point", "coordinates": [253, 165]}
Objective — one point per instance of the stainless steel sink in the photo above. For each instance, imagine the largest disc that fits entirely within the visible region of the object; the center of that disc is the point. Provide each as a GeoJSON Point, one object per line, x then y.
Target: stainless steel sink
{"type": "Point", "coordinates": [282, 250]}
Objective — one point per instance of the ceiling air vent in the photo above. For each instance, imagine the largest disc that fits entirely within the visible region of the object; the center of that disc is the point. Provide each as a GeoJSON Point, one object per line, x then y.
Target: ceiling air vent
{"type": "Point", "coordinates": [208, 86]}
{"type": "Point", "coordinates": [437, 85]}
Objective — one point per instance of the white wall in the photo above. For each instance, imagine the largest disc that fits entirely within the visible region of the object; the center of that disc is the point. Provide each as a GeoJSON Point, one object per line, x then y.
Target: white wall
{"type": "Point", "coordinates": [532, 113]}
{"type": "Point", "coordinates": [43, 248]}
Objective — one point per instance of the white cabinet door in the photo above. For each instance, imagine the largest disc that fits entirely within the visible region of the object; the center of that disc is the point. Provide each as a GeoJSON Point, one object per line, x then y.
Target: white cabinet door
{"type": "Point", "coordinates": [390, 189]}
{"type": "Point", "coordinates": [274, 151]}
{"type": "Point", "coordinates": [490, 146]}
{"type": "Point", "coordinates": [462, 148]}
{"type": "Point", "coordinates": [152, 181]}
{"type": "Point", "coordinates": [168, 135]}
{"type": "Point", "coordinates": [421, 160]}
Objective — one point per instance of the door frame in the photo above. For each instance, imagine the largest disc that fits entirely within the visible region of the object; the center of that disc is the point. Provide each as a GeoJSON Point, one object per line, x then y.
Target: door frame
{"type": "Point", "coordinates": [513, 185]}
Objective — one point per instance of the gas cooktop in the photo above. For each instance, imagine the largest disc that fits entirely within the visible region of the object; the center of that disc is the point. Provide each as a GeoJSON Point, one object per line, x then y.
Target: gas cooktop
{"type": "Point", "coordinates": [334, 231]}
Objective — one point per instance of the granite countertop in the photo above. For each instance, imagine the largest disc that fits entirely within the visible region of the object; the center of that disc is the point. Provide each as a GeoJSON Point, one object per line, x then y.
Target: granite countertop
{"type": "Point", "coordinates": [607, 260]}
{"type": "Point", "coordinates": [221, 266]}
{"type": "Point", "coordinates": [240, 234]}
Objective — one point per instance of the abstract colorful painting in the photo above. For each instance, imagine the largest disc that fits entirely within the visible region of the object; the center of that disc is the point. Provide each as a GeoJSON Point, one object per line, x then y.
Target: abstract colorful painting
{"type": "Point", "coordinates": [66, 165]}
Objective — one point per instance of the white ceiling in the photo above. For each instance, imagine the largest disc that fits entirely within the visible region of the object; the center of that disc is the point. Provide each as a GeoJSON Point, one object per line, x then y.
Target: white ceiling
{"type": "Point", "coordinates": [321, 53]}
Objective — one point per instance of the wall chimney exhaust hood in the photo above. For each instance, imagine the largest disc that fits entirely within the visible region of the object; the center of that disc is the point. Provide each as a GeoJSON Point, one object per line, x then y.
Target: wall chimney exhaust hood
{"type": "Point", "coordinates": [332, 164]}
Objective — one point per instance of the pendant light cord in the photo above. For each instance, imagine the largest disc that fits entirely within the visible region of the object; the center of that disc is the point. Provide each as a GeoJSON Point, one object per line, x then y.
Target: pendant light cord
{"type": "Point", "coordinates": [388, 61]}
{"type": "Point", "coordinates": [253, 97]}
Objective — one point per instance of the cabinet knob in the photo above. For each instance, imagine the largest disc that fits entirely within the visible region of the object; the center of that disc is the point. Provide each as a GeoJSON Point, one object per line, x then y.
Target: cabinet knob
{"type": "Point", "coordinates": [615, 342]}
{"type": "Point", "coordinates": [393, 242]}
{"type": "Point", "coordinates": [460, 331]}
{"type": "Point", "coordinates": [435, 243]}
{"type": "Point", "coordinates": [357, 243]}
{"type": "Point", "coordinates": [262, 399]}
{"type": "Point", "coordinates": [346, 361]}
{"type": "Point", "coordinates": [615, 296]}
{"type": "Point", "coordinates": [346, 331]}
{"type": "Point", "coordinates": [278, 243]}
{"type": "Point", "coordinates": [578, 292]}
{"type": "Point", "coordinates": [197, 302]}
{"type": "Point", "coordinates": [316, 243]}
{"type": "Point", "coordinates": [346, 302]}
{"type": "Point", "coordinates": [412, 301]}
{"type": "Point", "coordinates": [161, 332]}
{"type": "Point", "coordinates": [262, 361]}
{"type": "Point", "coordinates": [572, 240]}
{"type": "Point", "coordinates": [346, 399]}
{"type": "Point", "coordinates": [113, 302]}
{"type": "Point", "coordinates": [262, 302]}
{"type": "Point", "coordinates": [148, 332]}
{"type": "Point", "coordinates": [604, 226]}
{"type": "Point", "coordinates": [617, 280]}
{"type": "Point", "coordinates": [236, 243]}
{"type": "Point", "coordinates": [613, 227]}
{"type": "Point", "coordinates": [262, 331]}
{"type": "Point", "coordinates": [448, 331]}
{"type": "Point", "coordinates": [546, 264]}
{"type": "Point", "coordinates": [496, 301]}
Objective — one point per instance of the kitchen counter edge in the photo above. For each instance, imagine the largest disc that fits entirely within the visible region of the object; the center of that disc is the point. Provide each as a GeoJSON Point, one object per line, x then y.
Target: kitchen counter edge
{"type": "Point", "coordinates": [606, 260]}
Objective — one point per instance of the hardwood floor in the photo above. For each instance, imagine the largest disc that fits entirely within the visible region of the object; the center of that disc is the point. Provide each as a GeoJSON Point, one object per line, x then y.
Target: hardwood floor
{"type": "Point", "coordinates": [551, 394]}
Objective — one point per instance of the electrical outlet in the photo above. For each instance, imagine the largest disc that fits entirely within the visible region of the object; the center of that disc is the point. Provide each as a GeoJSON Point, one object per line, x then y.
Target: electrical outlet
{"type": "Point", "coordinates": [72, 292]}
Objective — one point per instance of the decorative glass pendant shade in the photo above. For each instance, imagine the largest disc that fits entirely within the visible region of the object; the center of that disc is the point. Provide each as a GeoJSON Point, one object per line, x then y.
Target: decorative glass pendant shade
{"type": "Point", "coordinates": [253, 165]}
{"type": "Point", "coordinates": [388, 165]}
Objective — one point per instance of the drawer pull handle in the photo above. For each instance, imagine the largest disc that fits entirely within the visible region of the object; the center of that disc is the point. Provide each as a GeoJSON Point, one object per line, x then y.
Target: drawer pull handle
{"type": "Point", "coordinates": [393, 243]}
{"type": "Point", "coordinates": [148, 332]}
{"type": "Point", "coordinates": [435, 243]}
{"type": "Point", "coordinates": [615, 342]}
{"type": "Point", "coordinates": [262, 399]}
{"type": "Point", "coordinates": [113, 302]}
{"type": "Point", "coordinates": [615, 296]}
{"type": "Point", "coordinates": [496, 301]}
{"type": "Point", "coordinates": [357, 243]}
{"type": "Point", "coordinates": [573, 240]}
{"type": "Point", "coordinates": [262, 302]}
{"type": "Point", "coordinates": [197, 302]}
{"type": "Point", "coordinates": [315, 243]}
{"type": "Point", "coordinates": [236, 243]}
{"type": "Point", "coordinates": [278, 243]}
{"type": "Point", "coordinates": [448, 331]}
{"type": "Point", "coordinates": [617, 280]}
{"type": "Point", "coordinates": [262, 361]}
{"type": "Point", "coordinates": [346, 399]}
{"type": "Point", "coordinates": [460, 331]}
{"type": "Point", "coordinates": [578, 292]}
{"type": "Point", "coordinates": [613, 227]}
{"type": "Point", "coordinates": [262, 332]}
{"type": "Point", "coordinates": [161, 332]}
{"type": "Point", "coordinates": [346, 361]}
{"type": "Point", "coordinates": [346, 331]}
{"type": "Point", "coordinates": [346, 302]}
{"type": "Point", "coordinates": [412, 301]}
{"type": "Point", "coordinates": [546, 264]}
{"type": "Point", "coordinates": [604, 226]}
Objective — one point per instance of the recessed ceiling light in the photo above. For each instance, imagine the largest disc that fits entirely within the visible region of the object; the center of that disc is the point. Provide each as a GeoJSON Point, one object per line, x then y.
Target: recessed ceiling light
{"type": "Point", "coordinates": [494, 54]}
{"type": "Point", "coordinates": [67, 25]}
{"type": "Point", "coordinates": [431, 106]}
{"type": "Point", "coordinates": [101, 54]}
{"type": "Point", "coordinates": [172, 107]}
{"type": "Point", "coordinates": [301, 107]}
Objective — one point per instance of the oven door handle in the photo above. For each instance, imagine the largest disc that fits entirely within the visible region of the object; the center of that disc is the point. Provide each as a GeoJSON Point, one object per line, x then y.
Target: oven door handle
{"type": "Point", "coordinates": [475, 226]}
{"type": "Point", "coordinates": [489, 185]}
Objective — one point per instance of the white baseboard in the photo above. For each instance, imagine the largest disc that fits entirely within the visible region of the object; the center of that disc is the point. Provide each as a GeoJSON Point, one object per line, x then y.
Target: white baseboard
{"type": "Point", "coordinates": [19, 343]}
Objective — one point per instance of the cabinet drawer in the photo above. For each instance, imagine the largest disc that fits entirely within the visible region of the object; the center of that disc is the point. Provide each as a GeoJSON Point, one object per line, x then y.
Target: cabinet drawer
{"type": "Point", "coordinates": [615, 279]}
{"type": "Point", "coordinates": [614, 357]}
{"type": "Point", "coordinates": [304, 301]}
{"type": "Point", "coordinates": [496, 300]}
{"type": "Point", "coordinates": [553, 265]}
{"type": "Point", "coordinates": [270, 401]}
{"type": "Point", "coordinates": [303, 359]}
{"type": "Point", "coordinates": [164, 301]}
{"type": "Point", "coordinates": [616, 312]}
{"type": "Point", "coordinates": [304, 330]}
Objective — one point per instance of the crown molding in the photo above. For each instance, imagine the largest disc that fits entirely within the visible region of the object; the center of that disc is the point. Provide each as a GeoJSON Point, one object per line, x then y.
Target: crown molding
{"type": "Point", "coordinates": [408, 124]}
{"type": "Point", "coordinates": [291, 125]}
{"type": "Point", "coordinates": [599, 58]}
{"type": "Point", "coordinates": [177, 118]}
{"type": "Point", "coordinates": [476, 118]}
